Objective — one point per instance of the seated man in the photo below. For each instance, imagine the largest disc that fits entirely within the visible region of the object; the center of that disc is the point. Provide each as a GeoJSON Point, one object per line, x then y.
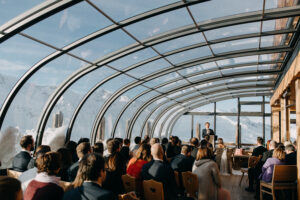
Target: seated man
{"type": "Point", "coordinates": [161, 172]}
{"type": "Point", "coordinates": [82, 149]}
{"type": "Point", "coordinates": [22, 159]}
{"type": "Point", "coordinates": [194, 143]}
{"type": "Point", "coordinates": [183, 162]}
{"type": "Point", "coordinates": [291, 155]}
{"type": "Point", "coordinates": [88, 183]}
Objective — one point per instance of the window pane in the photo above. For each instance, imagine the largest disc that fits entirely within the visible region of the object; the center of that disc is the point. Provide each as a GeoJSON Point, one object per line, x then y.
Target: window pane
{"type": "Point", "coordinates": [227, 106]}
{"type": "Point", "coordinates": [251, 128]}
{"type": "Point", "coordinates": [183, 128]}
{"type": "Point", "coordinates": [226, 128]}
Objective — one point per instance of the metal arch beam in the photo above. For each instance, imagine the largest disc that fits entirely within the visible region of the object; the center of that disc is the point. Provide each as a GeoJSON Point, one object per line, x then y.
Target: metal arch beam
{"type": "Point", "coordinates": [135, 116]}
{"type": "Point", "coordinates": [205, 88]}
{"type": "Point", "coordinates": [187, 93]}
{"type": "Point", "coordinates": [171, 69]}
{"type": "Point", "coordinates": [175, 118]}
{"type": "Point", "coordinates": [33, 16]}
{"type": "Point", "coordinates": [209, 93]}
{"type": "Point", "coordinates": [242, 18]}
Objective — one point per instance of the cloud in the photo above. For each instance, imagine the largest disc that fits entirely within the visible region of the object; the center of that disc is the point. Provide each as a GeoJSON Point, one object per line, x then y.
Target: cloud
{"type": "Point", "coordinates": [124, 99]}
{"type": "Point", "coordinates": [11, 66]}
{"type": "Point", "coordinates": [63, 18]}
{"type": "Point", "coordinates": [165, 21]}
{"type": "Point", "coordinates": [86, 53]}
{"type": "Point", "coordinates": [155, 30]}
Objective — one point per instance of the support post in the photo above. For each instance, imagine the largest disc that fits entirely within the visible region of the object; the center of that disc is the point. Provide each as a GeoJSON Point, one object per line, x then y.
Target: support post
{"type": "Point", "coordinates": [285, 125]}
{"type": "Point", "coordinates": [192, 126]}
{"type": "Point", "coordinates": [276, 123]}
{"type": "Point", "coordinates": [297, 102]}
{"type": "Point", "coordinates": [198, 129]}
{"type": "Point", "coordinates": [238, 130]}
{"type": "Point", "coordinates": [215, 117]}
{"type": "Point", "coordinates": [263, 120]}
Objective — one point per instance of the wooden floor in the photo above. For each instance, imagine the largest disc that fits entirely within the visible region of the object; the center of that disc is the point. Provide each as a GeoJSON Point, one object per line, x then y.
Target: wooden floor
{"type": "Point", "coordinates": [237, 192]}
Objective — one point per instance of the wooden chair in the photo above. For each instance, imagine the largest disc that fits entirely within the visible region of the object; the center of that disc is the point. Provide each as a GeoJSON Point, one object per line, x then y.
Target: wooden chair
{"type": "Point", "coordinates": [126, 197]}
{"type": "Point", "coordinates": [190, 183]}
{"type": "Point", "coordinates": [153, 190]}
{"type": "Point", "coordinates": [252, 162]}
{"type": "Point", "coordinates": [284, 178]}
{"type": "Point", "coordinates": [13, 173]}
{"type": "Point", "coordinates": [65, 185]}
{"type": "Point", "coordinates": [129, 183]}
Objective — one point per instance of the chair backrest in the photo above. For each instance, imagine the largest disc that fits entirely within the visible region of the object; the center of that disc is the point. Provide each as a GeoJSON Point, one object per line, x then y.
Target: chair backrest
{"type": "Point", "coordinates": [66, 185]}
{"type": "Point", "coordinates": [129, 183]}
{"type": "Point", "coordinates": [177, 178]}
{"type": "Point", "coordinates": [253, 160]}
{"type": "Point", "coordinates": [126, 197]}
{"type": "Point", "coordinates": [13, 173]}
{"type": "Point", "coordinates": [153, 190]}
{"type": "Point", "coordinates": [190, 183]}
{"type": "Point", "coordinates": [284, 173]}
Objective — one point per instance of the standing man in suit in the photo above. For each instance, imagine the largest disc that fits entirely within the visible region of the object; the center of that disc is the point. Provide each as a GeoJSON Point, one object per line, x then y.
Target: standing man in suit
{"type": "Point", "coordinates": [159, 171]}
{"type": "Point", "coordinates": [207, 131]}
{"type": "Point", "coordinates": [22, 159]}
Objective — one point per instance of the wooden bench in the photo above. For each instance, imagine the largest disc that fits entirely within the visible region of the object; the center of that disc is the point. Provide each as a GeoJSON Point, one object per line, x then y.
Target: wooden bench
{"type": "Point", "coordinates": [13, 173]}
{"type": "Point", "coordinates": [153, 190]}
{"type": "Point", "coordinates": [190, 183]}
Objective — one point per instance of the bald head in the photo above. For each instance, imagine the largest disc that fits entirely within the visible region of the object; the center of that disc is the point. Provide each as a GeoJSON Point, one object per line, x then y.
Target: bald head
{"type": "Point", "coordinates": [157, 151]}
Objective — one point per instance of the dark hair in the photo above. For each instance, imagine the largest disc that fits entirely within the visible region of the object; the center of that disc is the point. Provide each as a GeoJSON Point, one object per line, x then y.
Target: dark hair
{"type": "Point", "coordinates": [9, 188]}
{"type": "Point", "coordinates": [42, 149]}
{"type": "Point", "coordinates": [89, 168]}
{"type": "Point", "coordinates": [81, 140]}
{"type": "Point", "coordinates": [83, 149]}
{"type": "Point", "coordinates": [71, 145]}
{"type": "Point", "coordinates": [164, 141]}
{"type": "Point", "coordinates": [49, 163]}
{"type": "Point", "coordinates": [260, 140]}
{"type": "Point", "coordinates": [203, 143]}
{"type": "Point", "coordinates": [204, 153]}
{"type": "Point", "coordinates": [126, 141]}
{"type": "Point", "coordinates": [146, 139]}
{"type": "Point", "coordinates": [137, 140]}
{"type": "Point", "coordinates": [120, 140]}
{"type": "Point", "coordinates": [175, 140]}
{"type": "Point", "coordinates": [66, 157]}
{"type": "Point", "coordinates": [113, 146]}
{"type": "Point", "coordinates": [206, 137]}
{"type": "Point", "coordinates": [26, 140]}
{"type": "Point", "coordinates": [144, 153]}
{"type": "Point", "coordinates": [98, 148]}
{"type": "Point", "coordinates": [194, 141]}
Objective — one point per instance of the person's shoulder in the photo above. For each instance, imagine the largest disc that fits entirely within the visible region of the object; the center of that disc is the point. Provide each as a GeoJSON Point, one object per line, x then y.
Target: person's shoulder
{"type": "Point", "coordinates": [72, 194]}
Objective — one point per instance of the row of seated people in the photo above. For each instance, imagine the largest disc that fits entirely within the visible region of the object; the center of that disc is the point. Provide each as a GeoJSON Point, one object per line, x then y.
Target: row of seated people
{"type": "Point", "coordinates": [265, 159]}
{"type": "Point", "coordinates": [98, 170]}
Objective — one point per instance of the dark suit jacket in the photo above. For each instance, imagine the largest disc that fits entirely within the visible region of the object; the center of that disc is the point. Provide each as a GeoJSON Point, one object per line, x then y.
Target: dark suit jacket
{"type": "Point", "coordinates": [182, 163]}
{"type": "Point", "coordinates": [125, 153]}
{"type": "Point", "coordinates": [194, 152]}
{"type": "Point", "coordinates": [89, 191]}
{"type": "Point", "coordinates": [204, 133]}
{"type": "Point", "coordinates": [161, 172]}
{"type": "Point", "coordinates": [291, 159]}
{"type": "Point", "coordinates": [258, 151]}
{"type": "Point", "coordinates": [172, 151]}
{"type": "Point", "coordinates": [266, 155]}
{"type": "Point", "coordinates": [21, 161]}
{"type": "Point", "coordinates": [72, 171]}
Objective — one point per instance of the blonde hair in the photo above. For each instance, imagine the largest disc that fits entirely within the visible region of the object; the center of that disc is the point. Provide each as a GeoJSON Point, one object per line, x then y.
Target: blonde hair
{"type": "Point", "coordinates": [279, 153]}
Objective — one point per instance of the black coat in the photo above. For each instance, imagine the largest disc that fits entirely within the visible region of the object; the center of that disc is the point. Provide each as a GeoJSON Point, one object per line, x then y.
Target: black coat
{"type": "Point", "coordinates": [72, 171]}
{"type": "Point", "coordinates": [291, 158]}
{"type": "Point", "coordinates": [204, 132]}
{"type": "Point", "coordinates": [258, 151]}
{"type": "Point", "coordinates": [182, 163]}
{"type": "Point", "coordinates": [21, 161]}
{"type": "Point", "coordinates": [89, 191]}
{"type": "Point", "coordinates": [161, 172]}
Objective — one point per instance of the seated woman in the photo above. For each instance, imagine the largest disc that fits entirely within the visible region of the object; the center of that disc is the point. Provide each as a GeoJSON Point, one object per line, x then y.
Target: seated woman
{"type": "Point", "coordinates": [208, 176]}
{"type": "Point", "coordinates": [277, 159]}
{"type": "Point", "coordinates": [45, 185]}
{"type": "Point", "coordinates": [142, 156]}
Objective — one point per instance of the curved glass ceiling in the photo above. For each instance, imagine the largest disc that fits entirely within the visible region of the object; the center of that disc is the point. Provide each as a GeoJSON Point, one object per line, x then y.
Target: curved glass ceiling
{"type": "Point", "coordinates": [130, 61]}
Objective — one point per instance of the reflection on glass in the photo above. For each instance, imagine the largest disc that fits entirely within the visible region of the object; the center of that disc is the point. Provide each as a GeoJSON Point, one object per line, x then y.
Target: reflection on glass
{"type": "Point", "coordinates": [235, 45]}
{"type": "Point", "coordinates": [68, 25]}
{"type": "Point", "coordinates": [173, 85]}
{"type": "Point", "coordinates": [159, 24]}
{"type": "Point", "coordinates": [189, 55]}
{"type": "Point", "coordinates": [162, 79]}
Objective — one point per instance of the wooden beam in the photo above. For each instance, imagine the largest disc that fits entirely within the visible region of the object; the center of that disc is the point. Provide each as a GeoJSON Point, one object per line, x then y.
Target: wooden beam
{"type": "Point", "coordinates": [285, 121]}
{"type": "Point", "coordinates": [297, 94]}
{"type": "Point", "coordinates": [275, 123]}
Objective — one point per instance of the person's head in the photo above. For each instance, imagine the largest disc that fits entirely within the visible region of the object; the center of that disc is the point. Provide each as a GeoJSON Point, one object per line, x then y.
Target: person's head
{"type": "Point", "coordinates": [279, 153]}
{"type": "Point", "coordinates": [179, 143]}
{"type": "Point", "coordinates": [157, 151]}
{"type": "Point", "coordinates": [42, 148]}
{"type": "Point", "coordinates": [66, 158]}
{"type": "Point", "coordinates": [137, 140]}
{"type": "Point", "coordinates": [10, 188]}
{"type": "Point", "coordinates": [259, 140]}
{"type": "Point", "coordinates": [49, 162]}
{"type": "Point", "coordinates": [194, 142]}
{"type": "Point", "coordinates": [164, 141]}
{"type": "Point", "coordinates": [220, 141]}
{"type": "Point", "coordinates": [27, 143]}
{"type": "Point", "coordinates": [91, 168]}
{"type": "Point", "coordinates": [175, 140]}
{"type": "Point", "coordinates": [144, 153]}
{"type": "Point", "coordinates": [120, 140]}
{"type": "Point", "coordinates": [287, 143]}
{"type": "Point", "coordinates": [153, 141]}
{"type": "Point", "coordinates": [186, 150]}
{"type": "Point", "coordinates": [170, 138]}
{"type": "Point", "coordinates": [81, 140]}
{"type": "Point", "coordinates": [203, 143]}
{"type": "Point", "coordinates": [289, 148]}
{"type": "Point", "coordinates": [204, 153]}
{"type": "Point", "coordinates": [272, 144]}
{"type": "Point", "coordinates": [207, 124]}
{"type": "Point", "coordinates": [98, 148]}
{"type": "Point", "coordinates": [71, 145]}
{"type": "Point", "coordinates": [146, 139]}
{"type": "Point", "coordinates": [113, 146]}
{"type": "Point", "coordinates": [126, 142]}
{"type": "Point", "coordinates": [83, 149]}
